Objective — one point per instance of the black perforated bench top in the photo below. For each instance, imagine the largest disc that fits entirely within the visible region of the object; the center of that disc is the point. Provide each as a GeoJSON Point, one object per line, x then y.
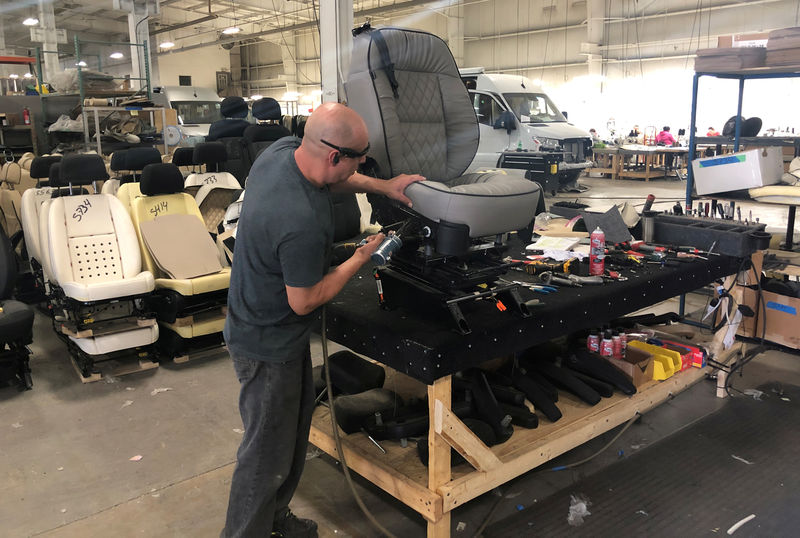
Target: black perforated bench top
{"type": "Point", "coordinates": [424, 344]}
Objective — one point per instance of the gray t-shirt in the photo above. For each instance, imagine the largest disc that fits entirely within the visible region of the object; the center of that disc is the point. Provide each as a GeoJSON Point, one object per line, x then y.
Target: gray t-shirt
{"type": "Point", "coordinates": [284, 238]}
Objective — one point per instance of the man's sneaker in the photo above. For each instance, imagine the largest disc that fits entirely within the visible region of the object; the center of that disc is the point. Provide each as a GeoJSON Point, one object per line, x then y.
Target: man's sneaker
{"type": "Point", "coordinates": [288, 525]}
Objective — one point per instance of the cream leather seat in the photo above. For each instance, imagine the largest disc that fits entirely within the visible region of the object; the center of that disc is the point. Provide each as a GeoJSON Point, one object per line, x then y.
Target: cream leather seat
{"type": "Point", "coordinates": [213, 190]}
{"type": "Point", "coordinates": [32, 201]}
{"type": "Point", "coordinates": [96, 267]}
{"type": "Point", "coordinates": [10, 198]}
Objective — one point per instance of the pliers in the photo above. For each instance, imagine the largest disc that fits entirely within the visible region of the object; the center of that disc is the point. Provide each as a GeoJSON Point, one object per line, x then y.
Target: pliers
{"type": "Point", "coordinates": [540, 288]}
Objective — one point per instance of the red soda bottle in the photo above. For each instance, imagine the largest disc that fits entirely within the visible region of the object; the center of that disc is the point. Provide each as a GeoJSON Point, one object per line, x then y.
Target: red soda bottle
{"type": "Point", "coordinates": [597, 255]}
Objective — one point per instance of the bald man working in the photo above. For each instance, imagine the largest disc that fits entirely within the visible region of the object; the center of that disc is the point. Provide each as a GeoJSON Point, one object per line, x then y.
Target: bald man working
{"type": "Point", "coordinates": [279, 278]}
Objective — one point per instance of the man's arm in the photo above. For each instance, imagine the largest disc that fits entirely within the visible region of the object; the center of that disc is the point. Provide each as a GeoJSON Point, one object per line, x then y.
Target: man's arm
{"type": "Point", "coordinates": [393, 188]}
{"type": "Point", "coordinates": [305, 300]}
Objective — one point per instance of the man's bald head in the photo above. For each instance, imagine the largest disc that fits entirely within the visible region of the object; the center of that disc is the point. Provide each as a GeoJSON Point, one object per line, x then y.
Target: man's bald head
{"type": "Point", "coordinates": [337, 124]}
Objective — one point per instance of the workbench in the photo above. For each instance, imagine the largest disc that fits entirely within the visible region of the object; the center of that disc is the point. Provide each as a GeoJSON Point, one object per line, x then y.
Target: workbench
{"type": "Point", "coordinates": [653, 165]}
{"type": "Point", "coordinates": [423, 346]}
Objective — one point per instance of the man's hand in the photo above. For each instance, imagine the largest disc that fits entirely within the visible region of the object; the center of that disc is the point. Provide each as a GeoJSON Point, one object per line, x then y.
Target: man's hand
{"type": "Point", "coordinates": [395, 187]}
{"type": "Point", "coordinates": [372, 243]}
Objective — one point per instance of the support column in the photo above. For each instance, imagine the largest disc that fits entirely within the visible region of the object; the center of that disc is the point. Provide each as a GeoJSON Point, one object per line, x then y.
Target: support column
{"type": "Point", "coordinates": [595, 28]}
{"type": "Point", "coordinates": [288, 56]}
{"type": "Point", "coordinates": [139, 32]}
{"type": "Point", "coordinates": [455, 32]}
{"type": "Point", "coordinates": [336, 43]}
{"type": "Point", "coordinates": [47, 21]}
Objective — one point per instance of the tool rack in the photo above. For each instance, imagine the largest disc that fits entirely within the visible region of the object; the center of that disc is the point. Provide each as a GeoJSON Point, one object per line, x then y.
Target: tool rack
{"type": "Point", "coordinates": [426, 352]}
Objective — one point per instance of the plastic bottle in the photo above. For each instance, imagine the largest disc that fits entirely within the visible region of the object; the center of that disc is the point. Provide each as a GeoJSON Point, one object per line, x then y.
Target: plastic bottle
{"type": "Point", "coordinates": [597, 249]}
{"type": "Point", "coordinates": [593, 342]}
{"type": "Point", "coordinates": [616, 345]}
{"type": "Point", "coordinates": [519, 145]}
{"type": "Point", "coordinates": [26, 116]}
{"type": "Point", "coordinates": [607, 345]}
{"type": "Point", "coordinates": [623, 340]}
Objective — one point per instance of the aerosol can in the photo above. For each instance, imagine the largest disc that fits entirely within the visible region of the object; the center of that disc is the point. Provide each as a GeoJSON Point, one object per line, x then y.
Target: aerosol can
{"type": "Point", "coordinates": [597, 252]}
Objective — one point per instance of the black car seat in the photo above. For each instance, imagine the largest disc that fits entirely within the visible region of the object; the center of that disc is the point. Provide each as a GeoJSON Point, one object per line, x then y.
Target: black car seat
{"type": "Point", "coordinates": [16, 323]}
{"type": "Point", "coordinates": [260, 136]}
{"type": "Point", "coordinates": [230, 131]}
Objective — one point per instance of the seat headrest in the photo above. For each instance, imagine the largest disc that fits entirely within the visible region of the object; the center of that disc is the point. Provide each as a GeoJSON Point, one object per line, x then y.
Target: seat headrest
{"type": "Point", "coordinates": [118, 160]}
{"type": "Point", "coordinates": [183, 157]}
{"type": "Point", "coordinates": [161, 178]}
{"type": "Point", "coordinates": [138, 158]}
{"type": "Point", "coordinates": [40, 167]}
{"type": "Point", "coordinates": [233, 107]}
{"type": "Point", "coordinates": [13, 173]}
{"type": "Point", "coordinates": [54, 176]}
{"type": "Point", "coordinates": [210, 153]}
{"type": "Point", "coordinates": [82, 169]}
{"type": "Point", "coordinates": [267, 109]}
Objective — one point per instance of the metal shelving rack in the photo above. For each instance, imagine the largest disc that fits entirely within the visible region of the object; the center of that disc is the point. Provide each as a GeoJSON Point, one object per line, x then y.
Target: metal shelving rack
{"type": "Point", "coordinates": [742, 75]}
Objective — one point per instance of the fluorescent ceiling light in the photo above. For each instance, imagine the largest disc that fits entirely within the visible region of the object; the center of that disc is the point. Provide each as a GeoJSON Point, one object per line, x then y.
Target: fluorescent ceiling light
{"type": "Point", "coordinates": [231, 30]}
{"type": "Point", "coordinates": [81, 64]}
{"type": "Point", "coordinates": [31, 21]}
{"type": "Point", "coordinates": [256, 97]}
{"type": "Point", "coordinates": [166, 45]}
{"type": "Point", "coordinates": [27, 75]}
{"type": "Point", "coordinates": [13, 75]}
{"type": "Point", "coordinates": [116, 55]}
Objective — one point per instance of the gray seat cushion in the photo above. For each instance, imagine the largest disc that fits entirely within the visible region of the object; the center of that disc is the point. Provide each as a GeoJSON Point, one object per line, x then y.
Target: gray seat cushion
{"type": "Point", "coordinates": [489, 203]}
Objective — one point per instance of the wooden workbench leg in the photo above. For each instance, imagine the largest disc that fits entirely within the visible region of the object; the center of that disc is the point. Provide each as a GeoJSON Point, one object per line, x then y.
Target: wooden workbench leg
{"type": "Point", "coordinates": [438, 453]}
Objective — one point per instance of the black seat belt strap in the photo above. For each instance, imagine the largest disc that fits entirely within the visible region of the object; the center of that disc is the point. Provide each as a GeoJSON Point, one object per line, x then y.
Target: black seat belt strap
{"type": "Point", "coordinates": [386, 60]}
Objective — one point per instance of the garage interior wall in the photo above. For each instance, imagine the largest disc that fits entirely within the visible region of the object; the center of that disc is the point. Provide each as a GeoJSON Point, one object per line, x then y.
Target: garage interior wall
{"type": "Point", "coordinates": [621, 61]}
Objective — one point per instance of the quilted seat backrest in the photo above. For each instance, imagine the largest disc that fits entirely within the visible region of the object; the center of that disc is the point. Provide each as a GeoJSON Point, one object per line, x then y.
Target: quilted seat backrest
{"type": "Point", "coordinates": [425, 123]}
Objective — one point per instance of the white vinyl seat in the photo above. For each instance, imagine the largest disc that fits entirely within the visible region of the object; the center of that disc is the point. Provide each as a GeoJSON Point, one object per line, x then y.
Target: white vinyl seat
{"type": "Point", "coordinates": [32, 200]}
{"type": "Point", "coordinates": [213, 190]}
{"type": "Point", "coordinates": [94, 253]}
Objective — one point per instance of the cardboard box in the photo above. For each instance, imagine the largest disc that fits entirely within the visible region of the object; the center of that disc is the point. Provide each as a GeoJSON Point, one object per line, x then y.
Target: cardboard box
{"type": "Point", "coordinates": [738, 171]}
{"type": "Point", "coordinates": [637, 366]}
{"type": "Point", "coordinates": [782, 319]}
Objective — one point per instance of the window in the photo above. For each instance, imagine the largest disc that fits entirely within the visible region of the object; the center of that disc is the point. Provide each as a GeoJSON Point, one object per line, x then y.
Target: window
{"type": "Point", "coordinates": [193, 112]}
{"type": "Point", "coordinates": [533, 108]}
{"type": "Point", "coordinates": [486, 108]}
{"type": "Point", "coordinates": [184, 80]}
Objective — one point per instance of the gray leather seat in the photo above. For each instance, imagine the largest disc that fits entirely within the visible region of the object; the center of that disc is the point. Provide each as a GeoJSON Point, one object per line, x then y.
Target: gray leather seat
{"type": "Point", "coordinates": [406, 86]}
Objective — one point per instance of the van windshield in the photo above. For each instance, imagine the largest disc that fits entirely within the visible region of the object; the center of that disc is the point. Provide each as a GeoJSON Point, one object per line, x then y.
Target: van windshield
{"type": "Point", "coordinates": [533, 108]}
{"type": "Point", "coordinates": [197, 111]}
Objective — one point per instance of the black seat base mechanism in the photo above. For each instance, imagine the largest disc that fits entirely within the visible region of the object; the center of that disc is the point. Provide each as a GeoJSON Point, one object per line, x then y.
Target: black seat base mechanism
{"type": "Point", "coordinates": [172, 346]}
{"type": "Point", "coordinates": [15, 367]}
{"type": "Point", "coordinates": [87, 364]}
{"type": "Point", "coordinates": [397, 288]}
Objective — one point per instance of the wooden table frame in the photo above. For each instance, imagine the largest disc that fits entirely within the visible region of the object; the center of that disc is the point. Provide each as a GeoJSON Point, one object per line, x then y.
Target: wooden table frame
{"type": "Point", "coordinates": [435, 492]}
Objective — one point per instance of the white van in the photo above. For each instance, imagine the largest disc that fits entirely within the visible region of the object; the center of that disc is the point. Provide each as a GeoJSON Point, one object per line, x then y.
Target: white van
{"type": "Point", "coordinates": [514, 114]}
{"type": "Point", "coordinates": [197, 108]}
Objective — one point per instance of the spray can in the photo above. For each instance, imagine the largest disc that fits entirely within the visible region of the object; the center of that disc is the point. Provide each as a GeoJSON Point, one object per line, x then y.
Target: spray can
{"type": "Point", "coordinates": [26, 116]}
{"type": "Point", "coordinates": [593, 342]}
{"type": "Point", "coordinates": [597, 252]}
{"type": "Point", "coordinates": [607, 345]}
{"type": "Point", "coordinates": [623, 340]}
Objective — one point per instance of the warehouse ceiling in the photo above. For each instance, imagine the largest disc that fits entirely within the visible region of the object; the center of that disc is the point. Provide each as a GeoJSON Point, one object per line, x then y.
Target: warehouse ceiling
{"type": "Point", "coordinates": [187, 23]}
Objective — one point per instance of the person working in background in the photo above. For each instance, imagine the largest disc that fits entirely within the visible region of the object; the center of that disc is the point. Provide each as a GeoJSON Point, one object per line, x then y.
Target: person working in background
{"type": "Point", "coordinates": [712, 132]}
{"type": "Point", "coordinates": [595, 137]}
{"type": "Point", "coordinates": [280, 278]}
{"type": "Point", "coordinates": [665, 138]}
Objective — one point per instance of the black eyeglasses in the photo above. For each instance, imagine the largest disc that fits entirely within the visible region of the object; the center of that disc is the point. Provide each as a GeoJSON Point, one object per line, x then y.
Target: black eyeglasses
{"type": "Point", "coordinates": [347, 152]}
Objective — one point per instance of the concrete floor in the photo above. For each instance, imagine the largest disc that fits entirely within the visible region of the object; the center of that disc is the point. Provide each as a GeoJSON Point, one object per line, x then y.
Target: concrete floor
{"type": "Point", "coordinates": [66, 447]}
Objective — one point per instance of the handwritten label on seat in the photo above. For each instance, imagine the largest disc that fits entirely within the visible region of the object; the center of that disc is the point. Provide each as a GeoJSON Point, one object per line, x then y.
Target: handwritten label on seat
{"type": "Point", "coordinates": [160, 207]}
{"type": "Point", "coordinates": [81, 209]}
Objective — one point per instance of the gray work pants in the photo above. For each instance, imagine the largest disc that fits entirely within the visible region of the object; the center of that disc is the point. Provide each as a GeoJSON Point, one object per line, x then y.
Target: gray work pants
{"type": "Point", "coordinates": [276, 401]}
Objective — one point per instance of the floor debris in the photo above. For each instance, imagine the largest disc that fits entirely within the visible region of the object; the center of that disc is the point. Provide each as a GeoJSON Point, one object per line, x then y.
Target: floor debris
{"type": "Point", "coordinates": [238, 430]}
{"type": "Point", "coordinates": [578, 509]}
{"type": "Point", "coordinates": [736, 526]}
{"type": "Point", "coordinates": [159, 389]}
{"type": "Point", "coordinates": [137, 457]}
{"type": "Point", "coordinates": [642, 512]}
{"type": "Point", "coordinates": [756, 394]}
{"type": "Point", "coordinates": [461, 526]}
{"type": "Point", "coordinates": [741, 459]}
{"type": "Point", "coordinates": [16, 425]}
{"type": "Point", "coordinates": [126, 404]}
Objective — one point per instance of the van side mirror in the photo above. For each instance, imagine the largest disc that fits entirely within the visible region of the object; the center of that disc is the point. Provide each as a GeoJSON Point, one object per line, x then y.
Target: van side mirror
{"type": "Point", "coordinates": [566, 115]}
{"type": "Point", "coordinates": [506, 120]}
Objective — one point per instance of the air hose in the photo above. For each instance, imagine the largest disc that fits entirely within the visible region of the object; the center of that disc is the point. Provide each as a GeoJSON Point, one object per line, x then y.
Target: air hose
{"type": "Point", "coordinates": [337, 439]}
